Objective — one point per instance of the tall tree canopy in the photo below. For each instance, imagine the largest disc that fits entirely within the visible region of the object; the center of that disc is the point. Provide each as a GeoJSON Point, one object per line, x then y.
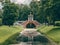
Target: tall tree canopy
{"type": "Point", "coordinates": [10, 13]}
{"type": "Point", "coordinates": [24, 11]}
{"type": "Point", "coordinates": [46, 10]}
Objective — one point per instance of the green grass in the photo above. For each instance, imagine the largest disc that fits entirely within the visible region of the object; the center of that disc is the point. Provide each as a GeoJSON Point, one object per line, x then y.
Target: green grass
{"type": "Point", "coordinates": [45, 29]}
{"type": "Point", "coordinates": [6, 32]}
{"type": "Point", "coordinates": [52, 32]}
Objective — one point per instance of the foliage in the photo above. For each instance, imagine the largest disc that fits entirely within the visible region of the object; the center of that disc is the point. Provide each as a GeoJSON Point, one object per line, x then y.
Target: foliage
{"type": "Point", "coordinates": [0, 21]}
{"type": "Point", "coordinates": [1, 0]}
{"type": "Point", "coordinates": [0, 13]}
{"type": "Point", "coordinates": [44, 11]}
{"type": "Point", "coordinates": [10, 13]}
{"type": "Point", "coordinates": [35, 8]}
{"type": "Point", "coordinates": [24, 11]}
{"type": "Point", "coordinates": [52, 10]}
{"type": "Point", "coordinates": [46, 8]}
{"type": "Point", "coordinates": [57, 23]}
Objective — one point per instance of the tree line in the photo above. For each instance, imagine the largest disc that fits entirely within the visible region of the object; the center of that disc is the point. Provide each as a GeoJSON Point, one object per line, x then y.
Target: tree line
{"type": "Point", "coordinates": [44, 11]}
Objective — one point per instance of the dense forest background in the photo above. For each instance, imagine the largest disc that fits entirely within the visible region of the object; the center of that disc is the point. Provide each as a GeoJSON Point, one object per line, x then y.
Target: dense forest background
{"type": "Point", "coordinates": [44, 11]}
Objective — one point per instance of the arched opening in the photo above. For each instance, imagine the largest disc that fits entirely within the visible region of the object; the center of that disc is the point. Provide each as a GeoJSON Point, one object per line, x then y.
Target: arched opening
{"type": "Point", "coordinates": [30, 25]}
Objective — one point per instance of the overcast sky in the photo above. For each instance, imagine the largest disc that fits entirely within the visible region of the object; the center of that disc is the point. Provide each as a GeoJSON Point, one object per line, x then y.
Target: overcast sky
{"type": "Point", "coordinates": [22, 1]}
{"type": "Point", "coordinates": [0, 6]}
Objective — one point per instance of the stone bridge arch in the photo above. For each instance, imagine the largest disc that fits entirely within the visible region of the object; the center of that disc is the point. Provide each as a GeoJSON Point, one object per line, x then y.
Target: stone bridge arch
{"type": "Point", "coordinates": [32, 24]}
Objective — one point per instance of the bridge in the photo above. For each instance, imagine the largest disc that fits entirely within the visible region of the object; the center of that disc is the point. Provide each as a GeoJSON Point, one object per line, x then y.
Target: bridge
{"type": "Point", "coordinates": [30, 23]}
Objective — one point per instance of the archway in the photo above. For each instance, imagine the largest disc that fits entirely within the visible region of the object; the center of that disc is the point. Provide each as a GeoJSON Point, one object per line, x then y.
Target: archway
{"type": "Point", "coordinates": [30, 25]}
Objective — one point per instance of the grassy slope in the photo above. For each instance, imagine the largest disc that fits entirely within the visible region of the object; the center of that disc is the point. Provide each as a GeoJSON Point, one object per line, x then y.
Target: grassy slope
{"type": "Point", "coordinates": [51, 31]}
{"type": "Point", "coordinates": [54, 34]}
{"type": "Point", "coordinates": [45, 29]}
{"type": "Point", "coordinates": [6, 32]}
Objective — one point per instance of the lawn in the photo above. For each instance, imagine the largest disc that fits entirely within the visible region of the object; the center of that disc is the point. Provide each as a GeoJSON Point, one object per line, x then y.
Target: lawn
{"type": "Point", "coordinates": [6, 32]}
{"type": "Point", "coordinates": [52, 32]}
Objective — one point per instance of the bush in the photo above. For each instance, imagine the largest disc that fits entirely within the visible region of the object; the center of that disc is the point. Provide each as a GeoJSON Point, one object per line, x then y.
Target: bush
{"type": "Point", "coordinates": [0, 21]}
{"type": "Point", "coordinates": [57, 23]}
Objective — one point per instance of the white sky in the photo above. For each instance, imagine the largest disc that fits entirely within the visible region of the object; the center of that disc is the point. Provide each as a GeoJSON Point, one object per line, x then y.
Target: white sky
{"type": "Point", "coordinates": [22, 1]}
{"type": "Point", "coordinates": [19, 2]}
{"type": "Point", "coordinates": [1, 6]}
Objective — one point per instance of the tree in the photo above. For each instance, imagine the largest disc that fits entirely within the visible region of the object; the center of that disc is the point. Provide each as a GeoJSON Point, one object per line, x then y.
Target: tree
{"type": "Point", "coordinates": [0, 13]}
{"type": "Point", "coordinates": [1, 0]}
{"type": "Point", "coordinates": [0, 21]}
{"type": "Point", "coordinates": [52, 10]}
{"type": "Point", "coordinates": [24, 11]}
{"type": "Point", "coordinates": [10, 13]}
{"type": "Point", "coordinates": [37, 11]}
{"type": "Point", "coordinates": [46, 8]}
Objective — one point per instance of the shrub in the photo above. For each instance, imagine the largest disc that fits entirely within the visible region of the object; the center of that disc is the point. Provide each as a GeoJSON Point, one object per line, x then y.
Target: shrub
{"type": "Point", "coordinates": [0, 21]}
{"type": "Point", "coordinates": [57, 23]}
